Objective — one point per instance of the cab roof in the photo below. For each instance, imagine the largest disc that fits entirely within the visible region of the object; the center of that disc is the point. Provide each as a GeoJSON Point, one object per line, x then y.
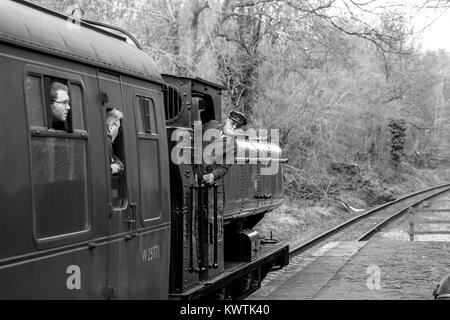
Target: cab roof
{"type": "Point", "coordinates": [197, 80]}
{"type": "Point", "coordinates": [34, 27]}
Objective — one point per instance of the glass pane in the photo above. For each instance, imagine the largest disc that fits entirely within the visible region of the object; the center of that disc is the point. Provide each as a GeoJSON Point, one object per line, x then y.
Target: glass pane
{"type": "Point", "coordinates": [145, 113]}
{"type": "Point", "coordinates": [35, 108]}
{"type": "Point", "coordinates": [139, 118]}
{"type": "Point", "coordinates": [59, 185]}
{"type": "Point", "coordinates": [76, 104]}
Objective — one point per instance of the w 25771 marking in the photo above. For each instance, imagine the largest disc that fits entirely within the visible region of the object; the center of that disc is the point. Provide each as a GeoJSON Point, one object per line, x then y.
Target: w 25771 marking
{"type": "Point", "coordinates": [150, 253]}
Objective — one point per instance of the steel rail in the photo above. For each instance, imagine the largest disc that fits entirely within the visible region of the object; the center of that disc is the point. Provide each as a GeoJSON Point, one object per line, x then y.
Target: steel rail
{"type": "Point", "coordinates": [298, 248]}
{"type": "Point", "coordinates": [397, 214]}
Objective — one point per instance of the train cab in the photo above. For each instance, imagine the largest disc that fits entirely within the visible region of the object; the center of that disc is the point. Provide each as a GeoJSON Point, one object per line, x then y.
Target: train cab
{"type": "Point", "coordinates": [212, 224]}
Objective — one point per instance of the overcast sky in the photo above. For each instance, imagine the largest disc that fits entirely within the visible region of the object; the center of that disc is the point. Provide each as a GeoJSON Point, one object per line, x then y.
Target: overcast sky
{"type": "Point", "coordinates": [431, 26]}
{"type": "Point", "coordinates": [436, 35]}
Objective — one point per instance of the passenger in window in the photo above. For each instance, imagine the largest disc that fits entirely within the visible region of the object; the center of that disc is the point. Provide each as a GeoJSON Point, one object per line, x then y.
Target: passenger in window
{"type": "Point", "coordinates": [60, 105]}
{"type": "Point", "coordinates": [113, 117]}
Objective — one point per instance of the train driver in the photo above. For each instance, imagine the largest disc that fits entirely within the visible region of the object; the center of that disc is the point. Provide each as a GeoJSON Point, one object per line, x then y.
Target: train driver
{"type": "Point", "coordinates": [113, 117]}
{"type": "Point", "coordinates": [60, 105]}
{"type": "Point", "coordinates": [235, 121]}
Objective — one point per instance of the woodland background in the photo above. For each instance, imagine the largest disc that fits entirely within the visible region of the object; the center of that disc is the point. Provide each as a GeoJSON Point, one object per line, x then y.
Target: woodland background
{"type": "Point", "coordinates": [363, 113]}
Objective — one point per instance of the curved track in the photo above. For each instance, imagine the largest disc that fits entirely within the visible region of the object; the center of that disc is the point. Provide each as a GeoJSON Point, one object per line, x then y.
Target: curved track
{"type": "Point", "coordinates": [360, 228]}
{"type": "Point", "coordinates": [363, 226]}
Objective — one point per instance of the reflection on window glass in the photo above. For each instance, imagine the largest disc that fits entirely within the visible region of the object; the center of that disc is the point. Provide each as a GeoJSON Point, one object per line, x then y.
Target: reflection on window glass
{"type": "Point", "coordinates": [139, 117]}
{"type": "Point", "coordinates": [59, 186]}
{"type": "Point", "coordinates": [35, 108]}
{"type": "Point", "coordinates": [145, 112]}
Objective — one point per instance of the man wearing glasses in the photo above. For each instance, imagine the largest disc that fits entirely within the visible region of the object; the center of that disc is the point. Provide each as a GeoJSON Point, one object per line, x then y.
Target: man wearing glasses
{"type": "Point", "coordinates": [60, 105]}
{"type": "Point", "coordinates": [113, 117]}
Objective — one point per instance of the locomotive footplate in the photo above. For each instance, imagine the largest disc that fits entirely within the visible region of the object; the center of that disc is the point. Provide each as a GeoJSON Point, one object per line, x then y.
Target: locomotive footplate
{"type": "Point", "coordinates": [240, 279]}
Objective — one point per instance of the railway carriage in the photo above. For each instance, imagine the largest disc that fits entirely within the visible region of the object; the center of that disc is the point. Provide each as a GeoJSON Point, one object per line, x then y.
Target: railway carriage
{"type": "Point", "coordinates": [71, 230]}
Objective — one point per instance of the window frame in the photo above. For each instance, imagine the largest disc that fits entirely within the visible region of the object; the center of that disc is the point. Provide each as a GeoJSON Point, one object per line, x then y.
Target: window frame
{"type": "Point", "coordinates": [151, 95]}
{"type": "Point", "coordinates": [37, 131]}
{"type": "Point", "coordinates": [145, 135]}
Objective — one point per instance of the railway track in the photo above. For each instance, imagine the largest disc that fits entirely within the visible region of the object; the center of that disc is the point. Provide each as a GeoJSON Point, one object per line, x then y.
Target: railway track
{"type": "Point", "coordinates": [359, 228]}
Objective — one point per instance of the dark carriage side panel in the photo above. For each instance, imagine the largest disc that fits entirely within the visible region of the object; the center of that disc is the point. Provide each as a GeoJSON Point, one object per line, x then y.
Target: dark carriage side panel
{"type": "Point", "coordinates": [33, 268]}
{"type": "Point", "coordinates": [15, 194]}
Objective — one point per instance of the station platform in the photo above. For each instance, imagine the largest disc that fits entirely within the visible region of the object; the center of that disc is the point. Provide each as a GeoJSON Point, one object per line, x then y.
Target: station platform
{"type": "Point", "coordinates": [380, 270]}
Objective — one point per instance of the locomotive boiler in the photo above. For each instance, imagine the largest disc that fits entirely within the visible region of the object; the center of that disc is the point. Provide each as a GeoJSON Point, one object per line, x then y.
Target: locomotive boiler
{"type": "Point", "coordinates": [71, 230]}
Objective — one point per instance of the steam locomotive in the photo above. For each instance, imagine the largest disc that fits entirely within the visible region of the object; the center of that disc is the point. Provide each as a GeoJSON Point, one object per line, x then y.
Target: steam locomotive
{"type": "Point", "coordinates": [71, 230]}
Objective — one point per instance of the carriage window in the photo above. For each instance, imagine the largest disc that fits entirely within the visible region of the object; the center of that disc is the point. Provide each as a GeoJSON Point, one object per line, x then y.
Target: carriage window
{"type": "Point", "coordinates": [58, 156]}
{"type": "Point", "coordinates": [50, 103]}
{"type": "Point", "coordinates": [146, 121]}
